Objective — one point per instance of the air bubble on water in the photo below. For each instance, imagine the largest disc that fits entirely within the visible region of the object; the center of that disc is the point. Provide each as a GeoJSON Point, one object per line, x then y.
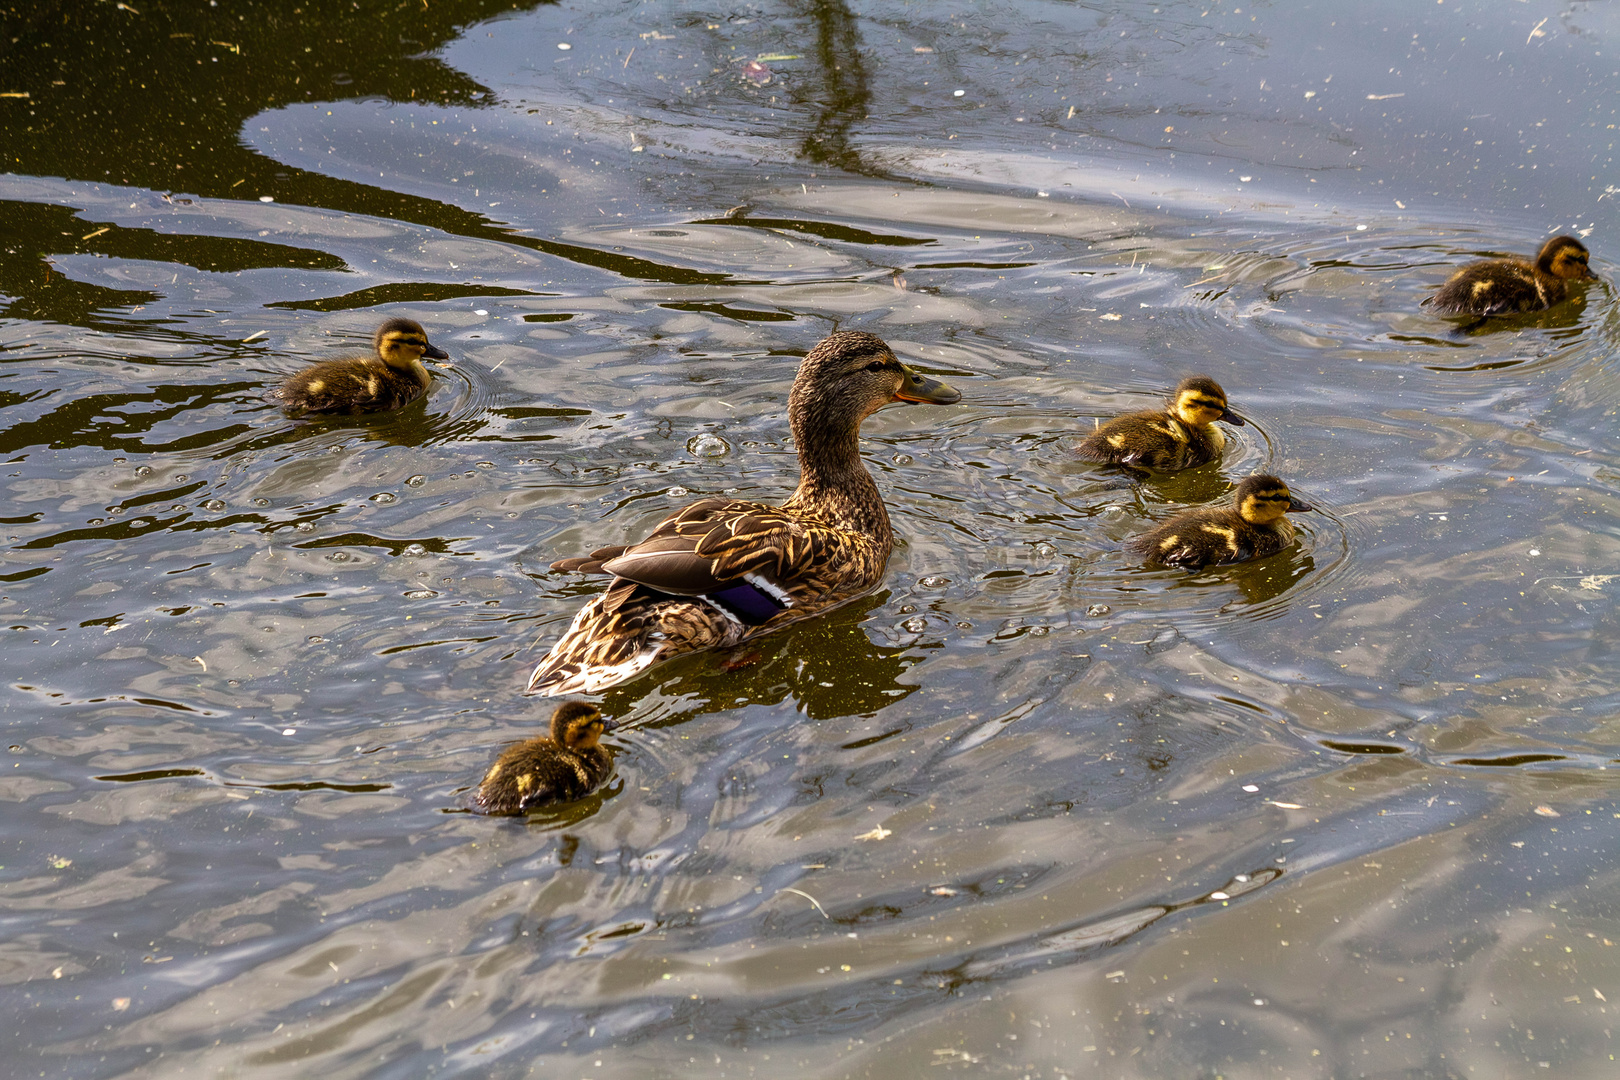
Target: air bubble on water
{"type": "Point", "coordinates": [415, 551]}
{"type": "Point", "coordinates": [416, 481]}
{"type": "Point", "coordinates": [678, 492]}
{"type": "Point", "coordinates": [903, 459]}
{"type": "Point", "coordinates": [143, 470]}
{"type": "Point", "coordinates": [384, 497]}
{"type": "Point", "coordinates": [933, 581]}
{"type": "Point", "coordinates": [708, 445]}
{"type": "Point", "coordinates": [916, 624]}
{"type": "Point", "coordinates": [1045, 550]}
{"type": "Point", "coordinates": [213, 504]}
{"type": "Point", "coordinates": [1097, 611]}
{"type": "Point", "coordinates": [305, 526]}
{"type": "Point", "coordinates": [420, 594]}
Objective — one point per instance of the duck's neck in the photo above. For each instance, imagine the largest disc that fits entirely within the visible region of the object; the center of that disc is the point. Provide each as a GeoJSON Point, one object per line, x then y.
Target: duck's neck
{"type": "Point", "coordinates": [833, 482]}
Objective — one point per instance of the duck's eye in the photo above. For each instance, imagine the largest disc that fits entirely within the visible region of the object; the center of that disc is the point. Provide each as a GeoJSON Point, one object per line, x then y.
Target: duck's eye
{"type": "Point", "coordinates": [877, 365]}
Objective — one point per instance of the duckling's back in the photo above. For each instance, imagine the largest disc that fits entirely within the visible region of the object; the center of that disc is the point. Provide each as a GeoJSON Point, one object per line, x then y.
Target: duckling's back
{"type": "Point", "coordinates": [1497, 287]}
{"type": "Point", "coordinates": [1211, 537]}
{"type": "Point", "coordinates": [349, 386]}
{"type": "Point", "coordinates": [537, 773]}
{"type": "Point", "coordinates": [1154, 440]}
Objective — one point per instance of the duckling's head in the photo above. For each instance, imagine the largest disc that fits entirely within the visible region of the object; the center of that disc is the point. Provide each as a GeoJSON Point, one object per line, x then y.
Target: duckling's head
{"type": "Point", "coordinates": [1564, 257]}
{"type": "Point", "coordinates": [577, 725]}
{"type": "Point", "coordinates": [1200, 400]}
{"type": "Point", "coordinates": [1263, 499]}
{"type": "Point", "coordinates": [849, 376]}
{"type": "Point", "coordinates": [401, 343]}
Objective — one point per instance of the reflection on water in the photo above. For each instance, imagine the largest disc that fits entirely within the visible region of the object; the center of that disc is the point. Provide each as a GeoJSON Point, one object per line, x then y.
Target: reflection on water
{"type": "Point", "coordinates": [1032, 807]}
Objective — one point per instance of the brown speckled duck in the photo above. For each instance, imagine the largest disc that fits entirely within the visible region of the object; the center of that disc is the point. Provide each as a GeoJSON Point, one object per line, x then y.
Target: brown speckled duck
{"type": "Point", "coordinates": [1515, 286]}
{"type": "Point", "coordinates": [393, 376]}
{"type": "Point", "coordinates": [566, 766]}
{"type": "Point", "coordinates": [1254, 525]}
{"type": "Point", "coordinates": [722, 571]}
{"type": "Point", "coordinates": [1182, 435]}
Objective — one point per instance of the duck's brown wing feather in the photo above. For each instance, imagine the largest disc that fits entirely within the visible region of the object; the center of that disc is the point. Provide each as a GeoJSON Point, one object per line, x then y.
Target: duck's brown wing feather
{"type": "Point", "coordinates": [716, 542]}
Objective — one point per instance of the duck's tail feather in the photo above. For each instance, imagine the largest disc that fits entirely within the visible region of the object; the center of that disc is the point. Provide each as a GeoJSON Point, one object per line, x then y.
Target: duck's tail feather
{"type": "Point", "coordinates": [614, 638]}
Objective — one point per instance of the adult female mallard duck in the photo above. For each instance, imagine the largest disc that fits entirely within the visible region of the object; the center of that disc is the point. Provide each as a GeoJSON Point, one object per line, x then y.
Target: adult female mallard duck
{"type": "Point", "coordinates": [1515, 286]}
{"type": "Point", "coordinates": [1182, 435]}
{"type": "Point", "coordinates": [1252, 526]}
{"type": "Point", "coordinates": [567, 766]}
{"type": "Point", "coordinates": [722, 571]}
{"type": "Point", "coordinates": [391, 377]}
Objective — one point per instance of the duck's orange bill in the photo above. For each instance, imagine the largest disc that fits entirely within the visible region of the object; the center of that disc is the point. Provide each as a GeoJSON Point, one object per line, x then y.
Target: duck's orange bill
{"type": "Point", "coordinates": [923, 390]}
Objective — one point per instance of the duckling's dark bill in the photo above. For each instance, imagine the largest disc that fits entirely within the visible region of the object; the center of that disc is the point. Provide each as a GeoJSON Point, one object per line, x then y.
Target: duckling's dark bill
{"type": "Point", "coordinates": [1297, 507]}
{"type": "Point", "coordinates": [925, 391]}
{"type": "Point", "coordinates": [1234, 419]}
{"type": "Point", "coordinates": [433, 352]}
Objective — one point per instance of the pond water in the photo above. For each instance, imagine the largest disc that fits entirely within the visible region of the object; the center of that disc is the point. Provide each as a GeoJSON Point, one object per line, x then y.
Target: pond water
{"type": "Point", "coordinates": [1028, 810]}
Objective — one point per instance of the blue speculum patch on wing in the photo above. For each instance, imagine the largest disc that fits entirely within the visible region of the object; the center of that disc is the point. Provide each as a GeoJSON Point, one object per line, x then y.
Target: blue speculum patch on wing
{"type": "Point", "coordinates": [750, 604]}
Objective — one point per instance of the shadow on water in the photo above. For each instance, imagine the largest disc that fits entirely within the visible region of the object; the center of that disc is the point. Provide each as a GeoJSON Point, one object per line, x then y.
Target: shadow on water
{"type": "Point", "coordinates": [829, 667]}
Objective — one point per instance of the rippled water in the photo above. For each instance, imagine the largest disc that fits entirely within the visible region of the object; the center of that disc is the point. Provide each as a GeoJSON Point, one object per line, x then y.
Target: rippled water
{"type": "Point", "coordinates": [1030, 809]}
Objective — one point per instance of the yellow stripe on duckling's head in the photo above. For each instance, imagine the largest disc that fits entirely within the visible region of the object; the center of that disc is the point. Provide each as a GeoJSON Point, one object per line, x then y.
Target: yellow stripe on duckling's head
{"type": "Point", "coordinates": [577, 725]}
{"type": "Point", "coordinates": [403, 342]}
{"type": "Point", "coordinates": [1565, 257]}
{"type": "Point", "coordinates": [1263, 499]}
{"type": "Point", "coordinates": [1200, 400]}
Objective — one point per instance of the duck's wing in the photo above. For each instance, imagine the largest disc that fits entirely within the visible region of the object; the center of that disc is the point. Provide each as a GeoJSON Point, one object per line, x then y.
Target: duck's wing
{"type": "Point", "coordinates": [708, 577]}
{"type": "Point", "coordinates": [726, 551]}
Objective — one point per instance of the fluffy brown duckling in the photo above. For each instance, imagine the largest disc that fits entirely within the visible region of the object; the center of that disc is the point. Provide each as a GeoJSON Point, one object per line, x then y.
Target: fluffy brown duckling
{"type": "Point", "coordinates": [393, 376]}
{"type": "Point", "coordinates": [1182, 435]}
{"type": "Point", "coordinates": [567, 765]}
{"type": "Point", "coordinates": [1515, 286]}
{"type": "Point", "coordinates": [1255, 524]}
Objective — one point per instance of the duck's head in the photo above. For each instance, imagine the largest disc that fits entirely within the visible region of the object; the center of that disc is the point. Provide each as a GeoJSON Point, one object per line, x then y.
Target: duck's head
{"type": "Point", "coordinates": [1263, 499]}
{"type": "Point", "coordinates": [1200, 400]}
{"type": "Point", "coordinates": [578, 725]}
{"type": "Point", "coordinates": [401, 343]}
{"type": "Point", "coordinates": [1565, 257]}
{"type": "Point", "coordinates": [849, 376]}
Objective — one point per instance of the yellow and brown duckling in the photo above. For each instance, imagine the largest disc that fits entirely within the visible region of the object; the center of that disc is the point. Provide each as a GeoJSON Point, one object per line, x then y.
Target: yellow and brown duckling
{"type": "Point", "coordinates": [1182, 435]}
{"type": "Point", "coordinates": [722, 571]}
{"type": "Point", "coordinates": [567, 765]}
{"type": "Point", "coordinates": [1515, 286]}
{"type": "Point", "coordinates": [1255, 524]}
{"type": "Point", "coordinates": [393, 376]}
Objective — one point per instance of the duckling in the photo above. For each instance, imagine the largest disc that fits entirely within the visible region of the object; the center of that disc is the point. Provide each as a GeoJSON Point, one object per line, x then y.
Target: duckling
{"type": "Point", "coordinates": [566, 766]}
{"type": "Point", "coordinates": [390, 378]}
{"type": "Point", "coordinates": [1252, 526]}
{"type": "Point", "coordinates": [1182, 435]}
{"type": "Point", "coordinates": [1514, 286]}
{"type": "Point", "coordinates": [722, 571]}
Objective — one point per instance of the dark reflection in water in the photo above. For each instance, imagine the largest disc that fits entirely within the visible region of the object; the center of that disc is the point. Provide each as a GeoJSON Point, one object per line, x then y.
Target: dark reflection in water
{"type": "Point", "coordinates": [32, 234]}
{"type": "Point", "coordinates": [829, 666]}
{"type": "Point", "coordinates": [168, 91]}
{"type": "Point", "coordinates": [844, 95]}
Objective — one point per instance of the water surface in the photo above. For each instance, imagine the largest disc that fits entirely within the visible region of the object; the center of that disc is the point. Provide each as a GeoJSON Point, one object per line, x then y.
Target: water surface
{"type": "Point", "coordinates": [1030, 809]}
